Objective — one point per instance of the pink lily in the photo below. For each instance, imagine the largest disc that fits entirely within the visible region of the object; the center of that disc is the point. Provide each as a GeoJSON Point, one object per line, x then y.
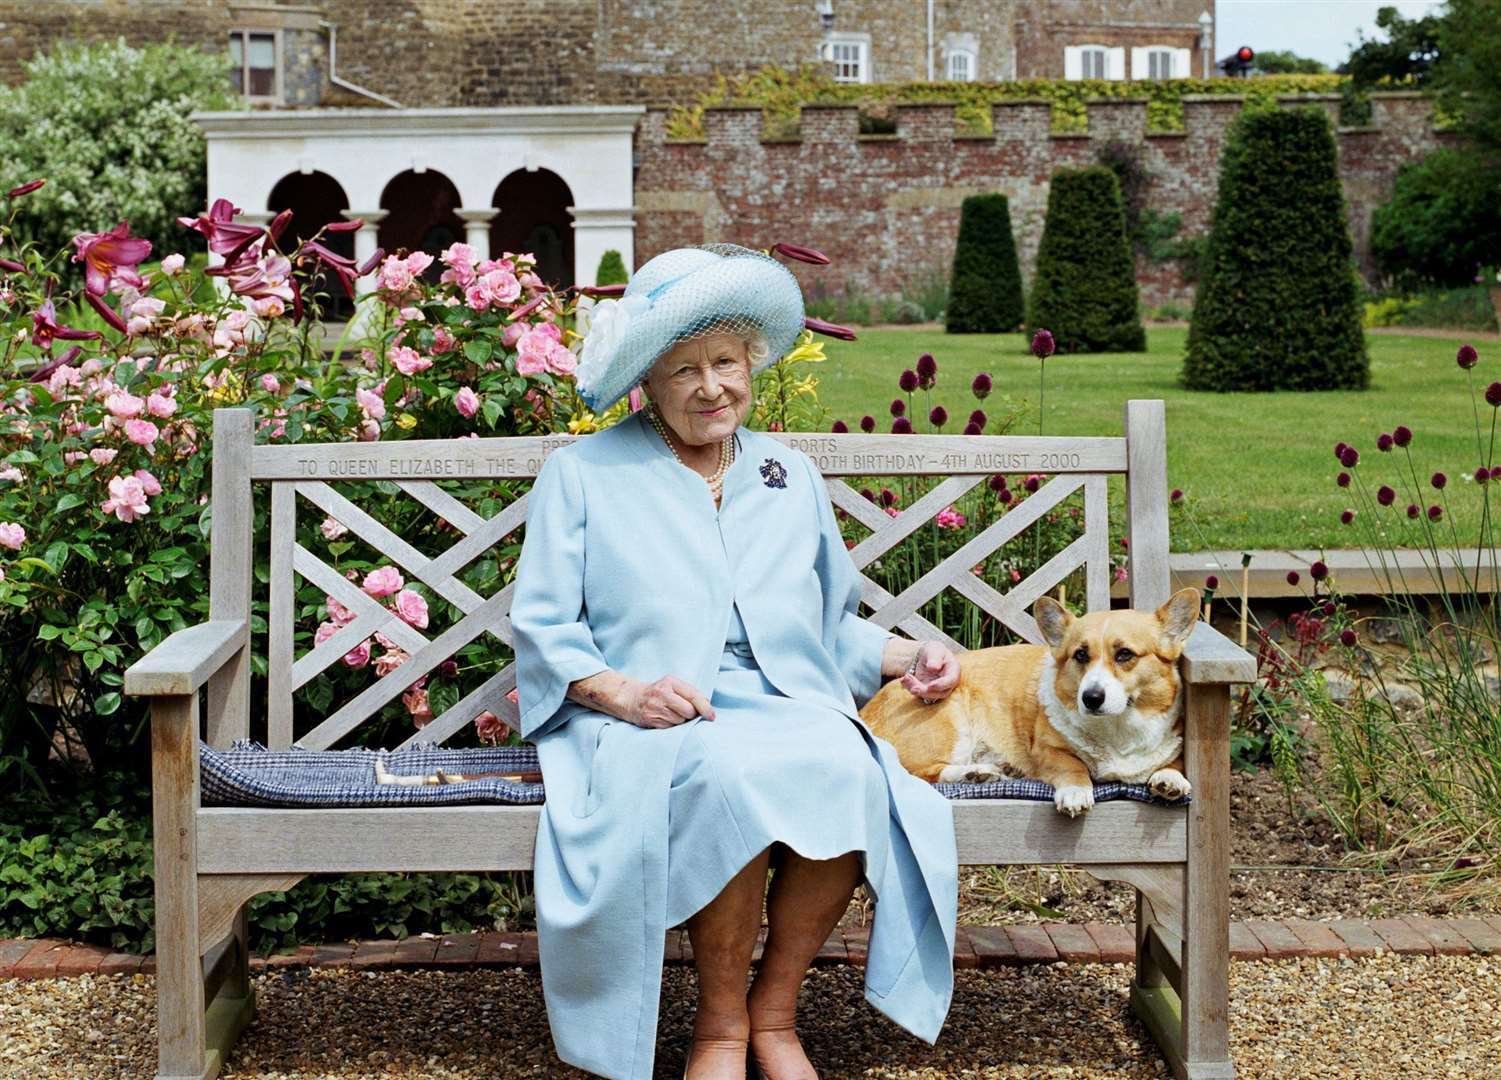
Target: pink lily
{"type": "Point", "coordinates": [801, 254]}
{"type": "Point", "coordinates": [25, 189]}
{"type": "Point", "coordinates": [833, 330]}
{"type": "Point", "coordinates": [42, 374]}
{"type": "Point", "coordinates": [45, 329]}
{"type": "Point", "coordinates": [113, 254]}
{"type": "Point", "coordinates": [219, 229]}
{"type": "Point", "coordinates": [279, 224]}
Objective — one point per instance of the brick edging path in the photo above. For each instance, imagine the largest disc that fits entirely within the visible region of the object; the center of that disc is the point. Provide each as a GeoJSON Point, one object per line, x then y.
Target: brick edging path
{"type": "Point", "coordinates": [976, 947]}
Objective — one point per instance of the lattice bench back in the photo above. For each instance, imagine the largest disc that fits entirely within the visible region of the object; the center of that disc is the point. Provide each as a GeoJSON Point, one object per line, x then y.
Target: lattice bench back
{"type": "Point", "coordinates": [306, 474]}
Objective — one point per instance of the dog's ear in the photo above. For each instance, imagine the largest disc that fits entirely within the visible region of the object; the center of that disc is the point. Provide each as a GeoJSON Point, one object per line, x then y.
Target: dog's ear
{"type": "Point", "coordinates": [1177, 617]}
{"type": "Point", "coordinates": [1052, 619]}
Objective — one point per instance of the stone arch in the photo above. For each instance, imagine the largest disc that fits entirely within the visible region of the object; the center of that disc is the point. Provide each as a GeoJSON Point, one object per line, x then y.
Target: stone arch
{"type": "Point", "coordinates": [534, 217]}
{"type": "Point", "coordinates": [422, 215]}
{"type": "Point", "coordinates": [315, 199]}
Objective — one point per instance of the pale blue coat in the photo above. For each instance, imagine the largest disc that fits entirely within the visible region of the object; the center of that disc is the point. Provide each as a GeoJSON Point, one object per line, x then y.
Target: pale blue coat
{"type": "Point", "coordinates": [628, 564]}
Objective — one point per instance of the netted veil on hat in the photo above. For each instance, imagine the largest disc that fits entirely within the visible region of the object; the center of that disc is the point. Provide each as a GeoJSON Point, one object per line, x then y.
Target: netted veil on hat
{"type": "Point", "coordinates": [681, 294]}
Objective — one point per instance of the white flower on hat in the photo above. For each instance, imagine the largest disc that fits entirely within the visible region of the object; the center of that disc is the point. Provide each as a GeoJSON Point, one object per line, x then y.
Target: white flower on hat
{"type": "Point", "coordinates": [608, 321]}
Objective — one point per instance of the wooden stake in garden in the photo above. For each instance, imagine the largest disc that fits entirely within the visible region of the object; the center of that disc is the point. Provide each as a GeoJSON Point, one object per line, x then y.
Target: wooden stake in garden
{"type": "Point", "coordinates": [1245, 591]}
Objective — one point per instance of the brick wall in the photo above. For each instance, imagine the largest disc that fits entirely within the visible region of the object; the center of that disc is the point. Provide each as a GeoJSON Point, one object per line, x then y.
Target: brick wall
{"type": "Point", "coordinates": [881, 206]}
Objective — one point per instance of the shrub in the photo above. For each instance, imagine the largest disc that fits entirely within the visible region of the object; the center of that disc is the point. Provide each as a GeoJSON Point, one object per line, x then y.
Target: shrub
{"type": "Point", "coordinates": [1084, 290]}
{"type": "Point", "coordinates": [1278, 305]}
{"type": "Point", "coordinates": [985, 291]}
{"type": "Point", "coordinates": [611, 269]}
{"type": "Point", "coordinates": [108, 125]}
{"type": "Point", "coordinates": [1443, 220]}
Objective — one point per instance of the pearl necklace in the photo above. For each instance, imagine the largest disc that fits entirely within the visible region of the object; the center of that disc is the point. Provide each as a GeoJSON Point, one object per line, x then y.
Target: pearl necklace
{"type": "Point", "coordinates": [726, 452]}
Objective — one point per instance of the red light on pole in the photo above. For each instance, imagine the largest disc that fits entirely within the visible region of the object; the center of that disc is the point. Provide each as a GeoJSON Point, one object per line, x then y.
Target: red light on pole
{"type": "Point", "coordinates": [1244, 54]}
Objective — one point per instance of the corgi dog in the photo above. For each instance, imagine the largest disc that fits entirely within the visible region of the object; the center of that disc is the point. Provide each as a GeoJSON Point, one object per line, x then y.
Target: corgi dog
{"type": "Point", "coordinates": [1102, 700]}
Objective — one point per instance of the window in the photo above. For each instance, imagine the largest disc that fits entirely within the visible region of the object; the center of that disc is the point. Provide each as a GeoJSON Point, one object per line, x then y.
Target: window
{"type": "Point", "coordinates": [961, 65]}
{"type": "Point", "coordinates": [1093, 61]}
{"type": "Point", "coordinates": [851, 57]}
{"type": "Point", "coordinates": [255, 73]}
{"type": "Point", "coordinates": [1159, 62]}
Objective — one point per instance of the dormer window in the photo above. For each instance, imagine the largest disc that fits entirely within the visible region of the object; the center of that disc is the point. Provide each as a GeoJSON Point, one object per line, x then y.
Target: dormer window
{"type": "Point", "coordinates": [256, 71]}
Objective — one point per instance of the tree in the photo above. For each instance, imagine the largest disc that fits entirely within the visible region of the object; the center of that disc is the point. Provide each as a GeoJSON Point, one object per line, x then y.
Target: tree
{"type": "Point", "coordinates": [1287, 62]}
{"type": "Point", "coordinates": [1443, 221]}
{"type": "Point", "coordinates": [1084, 290]}
{"type": "Point", "coordinates": [985, 288]}
{"type": "Point", "coordinates": [1278, 305]}
{"type": "Point", "coordinates": [611, 269]}
{"type": "Point", "coordinates": [1468, 77]}
{"type": "Point", "coordinates": [107, 126]}
{"type": "Point", "coordinates": [1410, 51]}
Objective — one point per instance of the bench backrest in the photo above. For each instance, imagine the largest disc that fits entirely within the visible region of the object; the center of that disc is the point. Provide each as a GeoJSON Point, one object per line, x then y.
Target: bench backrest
{"type": "Point", "coordinates": [309, 474]}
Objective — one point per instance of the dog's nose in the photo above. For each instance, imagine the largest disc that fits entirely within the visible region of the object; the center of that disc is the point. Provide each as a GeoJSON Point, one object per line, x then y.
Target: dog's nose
{"type": "Point", "coordinates": [1094, 697]}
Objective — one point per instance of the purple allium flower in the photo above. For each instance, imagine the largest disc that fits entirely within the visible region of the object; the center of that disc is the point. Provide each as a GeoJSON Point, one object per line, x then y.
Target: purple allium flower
{"type": "Point", "coordinates": [867, 423]}
{"type": "Point", "coordinates": [972, 428]}
{"type": "Point", "coordinates": [888, 497]}
{"type": "Point", "coordinates": [867, 494]}
{"type": "Point", "coordinates": [1032, 483]}
{"type": "Point", "coordinates": [898, 407]}
{"type": "Point", "coordinates": [927, 370]}
{"type": "Point", "coordinates": [1435, 512]}
{"type": "Point", "coordinates": [1005, 496]}
{"type": "Point", "coordinates": [1211, 582]}
{"type": "Point", "coordinates": [1347, 638]}
{"type": "Point", "coordinates": [1493, 394]}
{"type": "Point", "coordinates": [1350, 457]}
{"type": "Point", "coordinates": [907, 380]}
{"type": "Point", "coordinates": [1413, 510]}
{"type": "Point", "coordinates": [1402, 434]}
{"type": "Point", "coordinates": [1043, 345]}
{"type": "Point", "coordinates": [981, 386]}
{"type": "Point", "coordinates": [901, 426]}
{"type": "Point", "coordinates": [1383, 442]}
{"type": "Point", "coordinates": [1339, 450]}
{"type": "Point", "coordinates": [1385, 495]}
{"type": "Point", "coordinates": [938, 416]}
{"type": "Point", "coordinates": [979, 417]}
{"type": "Point", "coordinates": [1346, 517]}
{"type": "Point", "coordinates": [1468, 357]}
{"type": "Point", "coordinates": [997, 482]}
{"type": "Point", "coordinates": [1176, 495]}
{"type": "Point", "coordinates": [1482, 474]}
{"type": "Point", "coordinates": [1292, 577]}
{"type": "Point", "coordinates": [1343, 479]}
{"type": "Point", "coordinates": [1318, 571]}
{"type": "Point", "coordinates": [840, 425]}
{"type": "Point", "coordinates": [1438, 480]}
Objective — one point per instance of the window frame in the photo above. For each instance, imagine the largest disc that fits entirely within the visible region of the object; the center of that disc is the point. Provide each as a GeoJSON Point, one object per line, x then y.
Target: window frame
{"type": "Point", "coordinates": [971, 61]}
{"type": "Point", "coordinates": [860, 42]}
{"type": "Point", "coordinates": [1158, 55]}
{"type": "Point", "coordinates": [276, 97]}
{"type": "Point", "coordinates": [1103, 52]}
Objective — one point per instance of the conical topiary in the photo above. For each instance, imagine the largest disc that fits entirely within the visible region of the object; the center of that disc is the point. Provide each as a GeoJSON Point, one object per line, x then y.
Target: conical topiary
{"type": "Point", "coordinates": [611, 269]}
{"type": "Point", "coordinates": [985, 289]}
{"type": "Point", "coordinates": [1084, 290]}
{"type": "Point", "coordinates": [1278, 304]}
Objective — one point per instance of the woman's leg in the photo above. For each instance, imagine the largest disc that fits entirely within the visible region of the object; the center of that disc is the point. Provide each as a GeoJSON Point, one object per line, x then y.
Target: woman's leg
{"type": "Point", "coordinates": [723, 935]}
{"type": "Point", "coordinates": [805, 902]}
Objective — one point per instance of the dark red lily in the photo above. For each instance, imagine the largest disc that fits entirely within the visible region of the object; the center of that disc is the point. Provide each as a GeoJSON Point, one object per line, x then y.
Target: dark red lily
{"type": "Point", "coordinates": [113, 254]}
{"type": "Point", "coordinates": [833, 330]}
{"type": "Point", "coordinates": [279, 224]}
{"type": "Point", "coordinates": [45, 329]}
{"type": "Point", "coordinates": [11, 267]}
{"type": "Point", "coordinates": [342, 266]}
{"type": "Point", "coordinates": [600, 290]}
{"type": "Point", "coordinates": [371, 263]}
{"type": "Point", "coordinates": [801, 254]}
{"type": "Point", "coordinates": [345, 226]}
{"type": "Point", "coordinates": [225, 237]}
{"type": "Point", "coordinates": [42, 374]}
{"type": "Point", "coordinates": [527, 308]}
{"type": "Point", "coordinates": [25, 189]}
{"type": "Point", "coordinates": [109, 314]}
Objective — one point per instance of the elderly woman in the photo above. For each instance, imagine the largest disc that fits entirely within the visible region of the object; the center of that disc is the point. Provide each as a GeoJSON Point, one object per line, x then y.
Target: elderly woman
{"type": "Point", "coordinates": [690, 663]}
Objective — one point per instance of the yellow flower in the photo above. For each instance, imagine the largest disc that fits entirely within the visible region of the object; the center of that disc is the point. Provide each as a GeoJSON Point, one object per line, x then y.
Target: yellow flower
{"type": "Point", "coordinates": [231, 388]}
{"type": "Point", "coordinates": [406, 421]}
{"type": "Point", "coordinates": [808, 350]}
{"type": "Point", "coordinates": [583, 423]}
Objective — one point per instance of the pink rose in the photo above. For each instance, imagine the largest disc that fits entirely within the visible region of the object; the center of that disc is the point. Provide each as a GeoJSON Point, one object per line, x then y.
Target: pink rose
{"type": "Point", "coordinates": [12, 535]}
{"type": "Point", "coordinates": [548, 329]}
{"type": "Point", "coordinates": [325, 631]}
{"type": "Point", "coordinates": [123, 405]}
{"type": "Point", "coordinates": [467, 402]}
{"type": "Point", "coordinates": [141, 432]}
{"type": "Point", "coordinates": [560, 361]}
{"type": "Point", "coordinates": [411, 607]}
{"type": "Point", "coordinates": [531, 363]}
{"type": "Point", "coordinates": [358, 656]}
{"type": "Point", "coordinates": [369, 430]}
{"type": "Point", "coordinates": [489, 727]}
{"type": "Point", "coordinates": [443, 341]}
{"type": "Point", "coordinates": [270, 384]}
{"type": "Point", "coordinates": [160, 405]}
{"type": "Point", "coordinates": [476, 297]}
{"type": "Point", "coordinates": [416, 702]}
{"type": "Point", "coordinates": [373, 405]}
{"type": "Point", "coordinates": [390, 661]}
{"type": "Point", "coordinates": [127, 499]}
{"type": "Point", "coordinates": [501, 285]}
{"type": "Point", "coordinates": [512, 334]}
{"type": "Point", "coordinates": [173, 263]}
{"type": "Point", "coordinates": [332, 529]}
{"type": "Point", "coordinates": [150, 484]}
{"type": "Point", "coordinates": [408, 361]}
{"type": "Point", "coordinates": [102, 455]}
{"type": "Point", "coordinates": [395, 276]}
{"type": "Point", "coordinates": [417, 262]}
{"type": "Point", "coordinates": [386, 581]}
{"type": "Point", "coordinates": [338, 612]}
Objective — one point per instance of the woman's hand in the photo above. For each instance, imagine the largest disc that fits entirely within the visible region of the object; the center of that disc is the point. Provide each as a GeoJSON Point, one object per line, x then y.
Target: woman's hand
{"type": "Point", "coordinates": [667, 702]}
{"type": "Point", "coordinates": [937, 672]}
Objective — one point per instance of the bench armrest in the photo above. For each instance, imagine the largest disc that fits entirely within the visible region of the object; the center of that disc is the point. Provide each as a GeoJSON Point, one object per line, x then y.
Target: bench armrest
{"type": "Point", "coordinates": [184, 661]}
{"type": "Point", "coordinates": [1210, 657]}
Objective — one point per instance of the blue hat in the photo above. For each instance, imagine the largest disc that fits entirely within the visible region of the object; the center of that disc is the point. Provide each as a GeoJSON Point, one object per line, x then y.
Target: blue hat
{"type": "Point", "coordinates": [682, 294]}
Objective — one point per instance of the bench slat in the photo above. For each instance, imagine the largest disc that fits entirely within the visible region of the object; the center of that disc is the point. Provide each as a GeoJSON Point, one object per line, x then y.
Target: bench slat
{"type": "Point", "coordinates": [183, 662]}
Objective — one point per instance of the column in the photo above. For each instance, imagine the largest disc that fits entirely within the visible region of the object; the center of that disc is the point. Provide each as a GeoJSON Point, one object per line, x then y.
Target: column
{"type": "Point", "coordinates": [366, 240]}
{"type": "Point", "coordinates": [597, 230]}
{"type": "Point", "coordinates": [477, 221]}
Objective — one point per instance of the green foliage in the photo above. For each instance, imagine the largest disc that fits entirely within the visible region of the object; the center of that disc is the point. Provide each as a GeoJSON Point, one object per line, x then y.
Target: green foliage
{"type": "Point", "coordinates": [1443, 221]}
{"type": "Point", "coordinates": [1468, 76]}
{"type": "Point", "coordinates": [611, 269]}
{"type": "Point", "coordinates": [1408, 52]}
{"type": "Point", "coordinates": [1277, 307]}
{"type": "Point", "coordinates": [1084, 290]}
{"type": "Point", "coordinates": [986, 287]}
{"type": "Point", "coordinates": [1467, 308]}
{"type": "Point", "coordinates": [107, 125]}
{"type": "Point", "coordinates": [1287, 62]}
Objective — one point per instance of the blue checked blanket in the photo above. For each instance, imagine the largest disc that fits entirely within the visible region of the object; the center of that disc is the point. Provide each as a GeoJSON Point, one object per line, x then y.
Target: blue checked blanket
{"type": "Point", "coordinates": [248, 774]}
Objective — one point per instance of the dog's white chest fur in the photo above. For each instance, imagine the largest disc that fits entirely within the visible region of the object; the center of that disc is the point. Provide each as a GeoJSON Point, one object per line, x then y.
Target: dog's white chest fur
{"type": "Point", "coordinates": [1128, 747]}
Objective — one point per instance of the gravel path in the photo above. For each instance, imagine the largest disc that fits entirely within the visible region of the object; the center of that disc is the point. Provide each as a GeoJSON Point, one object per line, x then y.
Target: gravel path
{"type": "Point", "coordinates": [1390, 1016]}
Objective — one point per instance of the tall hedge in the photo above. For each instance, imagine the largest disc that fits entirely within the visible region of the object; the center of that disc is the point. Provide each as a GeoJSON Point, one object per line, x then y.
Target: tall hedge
{"type": "Point", "coordinates": [1278, 304]}
{"type": "Point", "coordinates": [611, 269]}
{"type": "Point", "coordinates": [1084, 290]}
{"type": "Point", "coordinates": [985, 288]}
{"type": "Point", "coordinates": [1443, 221]}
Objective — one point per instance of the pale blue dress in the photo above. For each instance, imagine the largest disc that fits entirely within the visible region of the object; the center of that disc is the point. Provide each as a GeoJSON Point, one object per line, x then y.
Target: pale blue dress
{"type": "Point", "coordinates": [628, 564]}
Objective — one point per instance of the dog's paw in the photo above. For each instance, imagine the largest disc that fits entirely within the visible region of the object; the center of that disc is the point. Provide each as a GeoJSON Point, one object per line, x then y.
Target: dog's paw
{"type": "Point", "coordinates": [1168, 784]}
{"type": "Point", "coordinates": [1073, 799]}
{"type": "Point", "coordinates": [978, 772]}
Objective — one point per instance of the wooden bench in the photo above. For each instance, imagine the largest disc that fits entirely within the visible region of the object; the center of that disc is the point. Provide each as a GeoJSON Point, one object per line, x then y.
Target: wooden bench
{"type": "Point", "coordinates": [211, 860]}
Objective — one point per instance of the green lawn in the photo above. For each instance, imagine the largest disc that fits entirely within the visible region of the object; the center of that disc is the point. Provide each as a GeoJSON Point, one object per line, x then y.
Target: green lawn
{"type": "Point", "coordinates": [1257, 470]}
